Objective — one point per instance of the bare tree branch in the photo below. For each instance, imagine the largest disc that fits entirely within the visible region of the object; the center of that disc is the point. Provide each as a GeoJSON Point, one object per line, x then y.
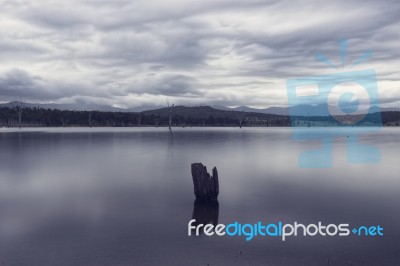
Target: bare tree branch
{"type": "Point", "coordinates": [64, 122]}
{"type": "Point", "coordinates": [239, 116]}
{"type": "Point", "coordinates": [139, 120]}
{"type": "Point", "coordinates": [18, 107]}
{"type": "Point", "coordinates": [170, 114]}
{"type": "Point", "coordinates": [90, 119]}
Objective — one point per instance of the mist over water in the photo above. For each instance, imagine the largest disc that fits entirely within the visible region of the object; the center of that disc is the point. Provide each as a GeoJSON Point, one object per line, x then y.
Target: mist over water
{"type": "Point", "coordinates": [99, 196]}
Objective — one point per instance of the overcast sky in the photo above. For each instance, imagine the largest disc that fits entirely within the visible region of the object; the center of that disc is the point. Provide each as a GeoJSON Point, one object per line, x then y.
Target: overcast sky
{"type": "Point", "coordinates": [140, 52]}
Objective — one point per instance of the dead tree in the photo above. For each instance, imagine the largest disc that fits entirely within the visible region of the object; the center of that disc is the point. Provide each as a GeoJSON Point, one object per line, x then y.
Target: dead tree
{"type": "Point", "coordinates": [156, 122]}
{"type": "Point", "coordinates": [90, 119]}
{"type": "Point", "coordinates": [206, 187]}
{"type": "Point", "coordinates": [239, 116]}
{"type": "Point", "coordinates": [139, 120]}
{"type": "Point", "coordinates": [64, 122]}
{"type": "Point", "coordinates": [170, 114]}
{"type": "Point", "coordinates": [19, 107]}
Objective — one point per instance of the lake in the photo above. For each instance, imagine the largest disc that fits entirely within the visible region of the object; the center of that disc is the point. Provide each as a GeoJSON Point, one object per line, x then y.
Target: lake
{"type": "Point", "coordinates": [124, 196]}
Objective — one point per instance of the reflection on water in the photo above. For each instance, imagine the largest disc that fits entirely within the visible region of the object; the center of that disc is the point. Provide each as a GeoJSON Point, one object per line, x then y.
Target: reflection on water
{"type": "Point", "coordinates": [205, 212]}
{"type": "Point", "coordinates": [76, 196]}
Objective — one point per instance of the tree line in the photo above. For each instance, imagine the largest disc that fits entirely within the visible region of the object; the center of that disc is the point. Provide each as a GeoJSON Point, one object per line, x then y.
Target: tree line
{"type": "Point", "coordinates": [179, 116]}
{"type": "Point", "coordinates": [39, 117]}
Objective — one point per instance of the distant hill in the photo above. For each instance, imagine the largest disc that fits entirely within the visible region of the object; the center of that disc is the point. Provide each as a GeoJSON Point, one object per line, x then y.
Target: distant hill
{"type": "Point", "coordinates": [298, 110]}
{"type": "Point", "coordinates": [205, 112]}
{"type": "Point", "coordinates": [142, 108]}
{"type": "Point", "coordinates": [70, 107]}
{"type": "Point", "coordinates": [183, 116]}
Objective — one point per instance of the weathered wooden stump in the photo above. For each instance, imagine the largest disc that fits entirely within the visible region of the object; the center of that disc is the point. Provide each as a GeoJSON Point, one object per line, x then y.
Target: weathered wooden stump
{"type": "Point", "coordinates": [206, 187]}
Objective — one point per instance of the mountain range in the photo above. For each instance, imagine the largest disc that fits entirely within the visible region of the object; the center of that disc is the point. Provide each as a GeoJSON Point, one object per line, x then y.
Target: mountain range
{"type": "Point", "coordinates": [298, 110]}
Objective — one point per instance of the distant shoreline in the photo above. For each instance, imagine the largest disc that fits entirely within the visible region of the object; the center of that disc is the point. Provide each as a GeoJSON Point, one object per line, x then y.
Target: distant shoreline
{"type": "Point", "coordinates": [182, 116]}
{"type": "Point", "coordinates": [198, 127]}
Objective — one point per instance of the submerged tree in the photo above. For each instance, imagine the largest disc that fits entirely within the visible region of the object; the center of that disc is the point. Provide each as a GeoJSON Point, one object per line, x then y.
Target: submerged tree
{"type": "Point", "coordinates": [18, 106]}
{"type": "Point", "coordinates": [90, 119]}
{"type": "Point", "coordinates": [64, 122]}
{"type": "Point", "coordinates": [170, 114]}
{"type": "Point", "coordinates": [139, 120]}
{"type": "Point", "coordinates": [156, 121]}
{"type": "Point", "coordinates": [239, 116]}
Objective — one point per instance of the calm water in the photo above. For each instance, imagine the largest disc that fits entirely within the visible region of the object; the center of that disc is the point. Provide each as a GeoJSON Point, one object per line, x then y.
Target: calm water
{"type": "Point", "coordinates": [125, 196]}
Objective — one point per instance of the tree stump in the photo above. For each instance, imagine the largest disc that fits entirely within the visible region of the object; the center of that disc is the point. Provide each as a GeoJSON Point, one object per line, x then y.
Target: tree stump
{"type": "Point", "coordinates": [206, 187]}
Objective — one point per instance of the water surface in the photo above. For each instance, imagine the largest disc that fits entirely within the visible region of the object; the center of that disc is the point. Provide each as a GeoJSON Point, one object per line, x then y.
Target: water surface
{"type": "Point", "coordinates": [80, 196]}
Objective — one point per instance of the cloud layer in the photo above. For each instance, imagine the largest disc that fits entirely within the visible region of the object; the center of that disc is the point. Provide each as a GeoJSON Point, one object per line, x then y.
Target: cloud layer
{"type": "Point", "coordinates": [130, 53]}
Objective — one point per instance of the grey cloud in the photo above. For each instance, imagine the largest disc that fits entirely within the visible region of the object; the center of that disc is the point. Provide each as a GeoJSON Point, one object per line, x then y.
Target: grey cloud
{"type": "Point", "coordinates": [168, 85]}
{"type": "Point", "coordinates": [220, 52]}
{"type": "Point", "coordinates": [17, 83]}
